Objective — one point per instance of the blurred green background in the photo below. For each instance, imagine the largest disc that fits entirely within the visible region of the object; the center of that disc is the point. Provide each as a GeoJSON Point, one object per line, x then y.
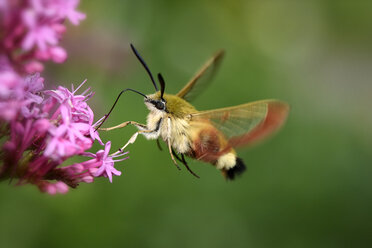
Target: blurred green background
{"type": "Point", "coordinates": [309, 186]}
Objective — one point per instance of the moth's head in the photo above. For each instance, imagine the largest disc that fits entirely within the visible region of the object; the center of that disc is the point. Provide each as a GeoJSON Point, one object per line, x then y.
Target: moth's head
{"type": "Point", "coordinates": [170, 104]}
{"type": "Point", "coordinates": [155, 102]}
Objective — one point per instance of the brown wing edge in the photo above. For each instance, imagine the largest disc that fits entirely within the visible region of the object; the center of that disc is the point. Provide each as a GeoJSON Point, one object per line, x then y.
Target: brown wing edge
{"type": "Point", "coordinates": [214, 60]}
{"type": "Point", "coordinates": [275, 118]}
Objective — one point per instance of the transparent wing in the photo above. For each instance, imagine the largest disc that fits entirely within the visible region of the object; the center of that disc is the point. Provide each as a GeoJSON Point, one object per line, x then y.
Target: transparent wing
{"type": "Point", "coordinates": [247, 123]}
{"type": "Point", "coordinates": [202, 78]}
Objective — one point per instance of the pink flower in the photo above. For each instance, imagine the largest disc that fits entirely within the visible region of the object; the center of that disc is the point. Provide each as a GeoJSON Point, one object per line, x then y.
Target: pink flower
{"type": "Point", "coordinates": [75, 122]}
{"type": "Point", "coordinates": [12, 91]}
{"type": "Point", "coordinates": [33, 86]}
{"type": "Point", "coordinates": [94, 135]}
{"type": "Point", "coordinates": [46, 128]}
{"type": "Point", "coordinates": [39, 34]}
{"type": "Point", "coordinates": [102, 164]}
{"type": "Point", "coordinates": [105, 163]}
{"type": "Point", "coordinates": [32, 29]}
{"type": "Point", "coordinates": [67, 9]}
{"type": "Point", "coordinates": [76, 104]}
{"type": "Point", "coordinates": [53, 188]}
{"type": "Point", "coordinates": [59, 146]}
{"type": "Point", "coordinates": [58, 54]}
{"type": "Point", "coordinates": [40, 130]}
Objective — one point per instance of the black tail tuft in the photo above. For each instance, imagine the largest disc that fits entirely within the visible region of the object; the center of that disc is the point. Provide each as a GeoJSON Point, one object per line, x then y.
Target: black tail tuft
{"type": "Point", "coordinates": [238, 169]}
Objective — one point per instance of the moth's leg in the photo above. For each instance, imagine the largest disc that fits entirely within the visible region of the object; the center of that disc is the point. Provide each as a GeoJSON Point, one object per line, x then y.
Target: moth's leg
{"type": "Point", "coordinates": [159, 146]}
{"type": "Point", "coordinates": [144, 132]}
{"type": "Point", "coordinates": [169, 142]}
{"type": "Point", "coordinates": [183, 161]}
{"type": "Point", "coordinates": [133, 139]}
{"type": "Point", "coordinates": [124, 124]}
{"type": "Point", "coordinates": [170, 152]}
{"type": "Point", "coordinates": [187, 167]}
{"type": "Point", "coordinates": [176, 156]}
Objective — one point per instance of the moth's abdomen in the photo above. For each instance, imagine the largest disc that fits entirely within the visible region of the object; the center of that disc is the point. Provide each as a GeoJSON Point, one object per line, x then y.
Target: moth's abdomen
{"type": "Point", "coordinates": [209, 145]}
{"type": "Point", "coordinates": [238, 168]}
{"type": "Point", "coordinates": [230, 165]}
{"type": "Point", "coordinates": [206, 145]}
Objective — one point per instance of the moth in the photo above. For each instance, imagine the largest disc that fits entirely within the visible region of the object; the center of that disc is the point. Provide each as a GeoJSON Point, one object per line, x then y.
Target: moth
{"type": "Point", "coordinates": [210, 136]}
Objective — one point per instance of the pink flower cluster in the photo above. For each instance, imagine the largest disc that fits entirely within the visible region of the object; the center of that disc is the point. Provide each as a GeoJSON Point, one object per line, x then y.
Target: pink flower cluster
{"type": "Point", "coordinates": [46, 128]}
{"type": "Point", "coordinates": [31, 29]}
{"type": "Point", "coordinates": [40, 129]}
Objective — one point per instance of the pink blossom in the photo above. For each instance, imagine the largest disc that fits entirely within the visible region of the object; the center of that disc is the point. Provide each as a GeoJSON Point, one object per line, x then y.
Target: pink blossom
{"type": "Point", "coordinates": [67, 9]}
{"type": "Point", "coordinates": [11, 91]}
{"type": "Point", "coordinates": [106, 163]}
{"type": "Point", "coordinates": [75, 122]}
{"type": "Point", "coordinates": [101, 165]}
{"type": "Point", "coordinates": [53, 188]}
{"type": "Point", "coordinates": [39, 34]}
{"type": "Point", "coordinates": [11, 85]}
{"type": "Point", "coordinates": [94, 135]}
{"type": "Point", "coordinates": [59, 146]}
{"type": "Point", "coordinates": [32, 29]}
{"type": "Point", "coordinates": [33, 66]}
{"type": "Point", "coordinates": [58, 54]}
{"type": "Point", "coordinates": [33, 86]}
{"type": "Point", "coordinates": [75, 104]}
{"type": "Point", "coordinates": [47, 128]}
{"type": "Point", "coordinates": [40, 129]}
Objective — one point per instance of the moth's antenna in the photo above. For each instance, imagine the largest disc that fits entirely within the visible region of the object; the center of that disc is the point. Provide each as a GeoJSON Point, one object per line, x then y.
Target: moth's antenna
{"type": "Point", "coordinates": [162, 85]}
{"type": "Point", "coordinates": [117, 99]}
{"type": "Point", "coordinates": [144, 65]}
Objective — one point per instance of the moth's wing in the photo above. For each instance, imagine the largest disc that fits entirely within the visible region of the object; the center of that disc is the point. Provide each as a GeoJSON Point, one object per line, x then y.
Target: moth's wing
{"type": "Point", "coordinates": [247, 123]}
{"type": "Point", "coordinates": [202, 78]}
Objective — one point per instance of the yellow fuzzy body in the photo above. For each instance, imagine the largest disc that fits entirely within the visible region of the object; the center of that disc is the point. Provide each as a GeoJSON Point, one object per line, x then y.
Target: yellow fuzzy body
{"type": "Point", "coordinates": [197, 139]}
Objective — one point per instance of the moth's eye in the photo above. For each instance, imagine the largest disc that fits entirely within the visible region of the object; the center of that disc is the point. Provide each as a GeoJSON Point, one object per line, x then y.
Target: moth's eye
{"type": "Point", "coordinates": [159, 105]}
